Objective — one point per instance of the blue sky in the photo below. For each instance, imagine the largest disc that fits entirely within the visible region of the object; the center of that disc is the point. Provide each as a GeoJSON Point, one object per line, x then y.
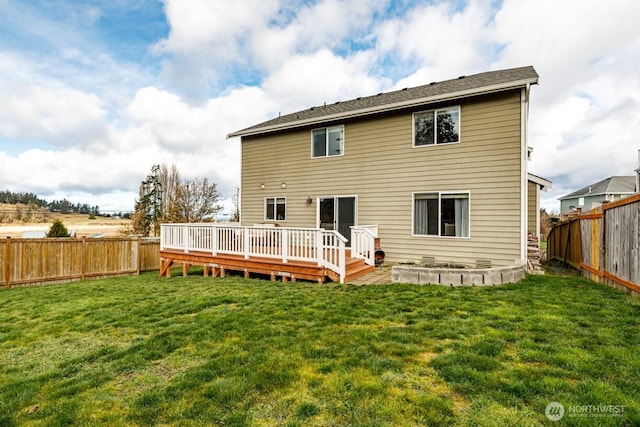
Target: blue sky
{"type": "Point", "coordinates": [96, 92]}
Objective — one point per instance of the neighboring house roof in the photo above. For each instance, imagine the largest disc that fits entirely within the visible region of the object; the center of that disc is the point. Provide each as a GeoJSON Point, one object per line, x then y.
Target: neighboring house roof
{"type": "Point", "coordinates": [543, 183]}
{"type": "Point", "coordinates": [488, 82]}
{"type": "Point", "coordinates": [611, 185]}
{"type": "Point", "coordinates": [34, 234]}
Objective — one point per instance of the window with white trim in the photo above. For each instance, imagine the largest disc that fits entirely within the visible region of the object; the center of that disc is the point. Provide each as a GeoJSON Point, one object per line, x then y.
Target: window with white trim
{"type": "Point", "coordinates": [326, 142]}
{"type": "Point", "coordinates": [275, 209]}
{"type": "Point", "coordinates": [436, 127]}
{"type": "Point", "coordinates": [441, 214]}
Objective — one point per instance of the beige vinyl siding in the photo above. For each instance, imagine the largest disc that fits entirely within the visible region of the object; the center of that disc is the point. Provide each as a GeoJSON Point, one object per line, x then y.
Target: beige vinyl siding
{"type": "Point", "coordinates": [383, 170]}
{"type": "Point", "coordinates": [532, 206]}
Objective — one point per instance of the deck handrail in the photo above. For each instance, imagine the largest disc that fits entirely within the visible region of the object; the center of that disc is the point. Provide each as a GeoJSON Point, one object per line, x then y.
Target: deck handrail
{"type": "Point", "coordinates": [363, 239]}
{"type": "Point", "coordinates": [327, 248]}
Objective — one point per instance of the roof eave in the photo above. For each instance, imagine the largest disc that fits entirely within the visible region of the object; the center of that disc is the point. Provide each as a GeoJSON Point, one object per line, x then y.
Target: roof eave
{"type": "Point", "coordinates": [578, 196]}
{"type": "Point", "coordinates": [544, 184]}
{"type": "Point", "coordinates": [387, 107]}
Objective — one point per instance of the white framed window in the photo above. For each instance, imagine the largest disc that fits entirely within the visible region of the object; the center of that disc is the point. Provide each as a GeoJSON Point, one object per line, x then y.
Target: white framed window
{"type": "Point", "coordinates": [327, 142]}
{"type": "Point", "coordinates": [441, 214]}
{"type": "Point", "coordinates": [275, 209]}
{"type": "Point", "coordinates": [435, 127]}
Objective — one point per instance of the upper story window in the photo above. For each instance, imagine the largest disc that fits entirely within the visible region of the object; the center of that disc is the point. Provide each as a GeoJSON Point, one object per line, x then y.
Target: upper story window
{"type": "Point", "coordinates": [327, 142]}
{"type": "Point", "coordinates": [436, 126]}
{"type": "Point", "coordinates": [275, 209]}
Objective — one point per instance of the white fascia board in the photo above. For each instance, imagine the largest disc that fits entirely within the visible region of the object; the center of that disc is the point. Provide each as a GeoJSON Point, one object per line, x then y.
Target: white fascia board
{"type": "Point", "coordinates": [543, 183]}
{"type": "Point", "coordinates": [386, 107]}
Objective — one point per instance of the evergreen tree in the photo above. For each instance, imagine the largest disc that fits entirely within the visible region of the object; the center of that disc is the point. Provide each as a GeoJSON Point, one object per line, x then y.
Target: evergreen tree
{"type": "Point", "coordinates": [58, 229]}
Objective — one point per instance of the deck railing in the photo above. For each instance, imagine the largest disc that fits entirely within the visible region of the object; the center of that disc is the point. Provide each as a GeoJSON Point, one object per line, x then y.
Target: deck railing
{"type": "Point", "coordinates": [324, 247]}
{"type": "Point", "coordinates": [363, 242]}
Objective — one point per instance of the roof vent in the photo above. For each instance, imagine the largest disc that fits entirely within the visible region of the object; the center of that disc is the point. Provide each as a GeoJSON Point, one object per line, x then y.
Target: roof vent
{"type": "Point", "coordinates": [337, 102]}
{"type": "Point", "coordinates": [312, 108]}
{"type": "Point", "coordinates": [462, 77]}
{"type": "Point", "coordinates": [359, 98]}
{"type": "Point", "coordinates": [432, 83]}
{"type": "Point", "coordinates": [379, 94]}
{"type": "Point", "coordinates": [590, 189]}
{"type": "Point", "coordinates": [405, 88]}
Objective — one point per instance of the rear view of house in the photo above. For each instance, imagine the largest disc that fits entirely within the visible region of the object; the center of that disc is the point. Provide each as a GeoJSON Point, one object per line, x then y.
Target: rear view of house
{"type": "Point", "coordinates": [436, 172]}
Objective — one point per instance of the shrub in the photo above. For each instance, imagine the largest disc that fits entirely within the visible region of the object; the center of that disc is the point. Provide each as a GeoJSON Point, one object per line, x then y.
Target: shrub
{"type": "Point", "coordinates": [58, 230]}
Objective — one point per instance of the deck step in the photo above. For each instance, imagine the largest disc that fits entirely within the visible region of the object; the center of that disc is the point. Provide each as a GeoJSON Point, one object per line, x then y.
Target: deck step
{"type": "Point", "coordinates": [357, 269]}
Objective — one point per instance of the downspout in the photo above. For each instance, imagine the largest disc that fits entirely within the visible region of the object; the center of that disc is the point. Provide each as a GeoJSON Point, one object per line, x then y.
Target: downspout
{"type": "Point", "coordinates": [524, 113]}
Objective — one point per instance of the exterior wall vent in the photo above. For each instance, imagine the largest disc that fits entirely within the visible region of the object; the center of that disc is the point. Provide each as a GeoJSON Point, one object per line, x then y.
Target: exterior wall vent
{"type": "Point", "coordinates": [483, 263]}
{"type": "Point", "coordinates": [428, 259]}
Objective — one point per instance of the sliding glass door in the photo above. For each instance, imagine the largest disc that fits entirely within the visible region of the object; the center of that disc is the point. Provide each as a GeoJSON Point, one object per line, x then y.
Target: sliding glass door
{"type": "Point", "coordinates": [337, 213]}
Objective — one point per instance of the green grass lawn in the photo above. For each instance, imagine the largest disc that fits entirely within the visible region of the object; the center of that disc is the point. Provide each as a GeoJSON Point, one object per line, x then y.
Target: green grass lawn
{"type": "Point", "coordinates": [203, 351]}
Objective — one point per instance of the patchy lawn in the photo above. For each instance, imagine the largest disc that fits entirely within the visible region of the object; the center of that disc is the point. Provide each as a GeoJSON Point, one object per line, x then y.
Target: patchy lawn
{"type": "Point", "coordinates": [202, 351]}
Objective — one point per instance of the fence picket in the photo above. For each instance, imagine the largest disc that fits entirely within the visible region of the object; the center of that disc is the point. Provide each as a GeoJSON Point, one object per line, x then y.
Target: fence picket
{"type": "Point", "coordinates": [603, 244]}
{"type": "Point", "coordinates": [31, 261]}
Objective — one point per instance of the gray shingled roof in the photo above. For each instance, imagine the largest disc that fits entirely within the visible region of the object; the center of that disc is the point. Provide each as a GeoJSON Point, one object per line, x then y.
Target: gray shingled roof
{"type": "Point", "coordinates": [487, 82]}
{"type": "Point", "coordinates": [611, 185]}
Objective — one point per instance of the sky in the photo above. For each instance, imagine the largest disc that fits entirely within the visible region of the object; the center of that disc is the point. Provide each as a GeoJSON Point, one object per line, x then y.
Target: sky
{"type": "Point", "coordinates": [94, 93]}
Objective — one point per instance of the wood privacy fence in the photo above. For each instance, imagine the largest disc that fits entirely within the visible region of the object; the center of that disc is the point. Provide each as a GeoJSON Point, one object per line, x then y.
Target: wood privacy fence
{"type": "Point", "coordinates": [39, 261]}
{"type": "Point", "coordinates": [603, 244]}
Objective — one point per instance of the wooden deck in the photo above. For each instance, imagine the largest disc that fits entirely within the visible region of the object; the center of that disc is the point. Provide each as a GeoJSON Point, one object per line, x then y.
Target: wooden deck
{"type": "Point", "coordinates": [218, 265]}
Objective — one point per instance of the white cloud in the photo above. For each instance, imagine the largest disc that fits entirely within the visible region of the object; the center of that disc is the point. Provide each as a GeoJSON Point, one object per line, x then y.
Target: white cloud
{"type": "Point", "coordinates": [308, 80]}
{"type": "Point", "coordinates": [63, 116]}
{"type": "Point", "coordinates": [437, 41]}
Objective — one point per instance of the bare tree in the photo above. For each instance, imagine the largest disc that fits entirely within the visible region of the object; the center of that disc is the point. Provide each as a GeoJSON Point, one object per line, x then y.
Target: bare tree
{"type": "Point", "coordinates": [170, 182]}
{"type": "Point", "coordinates": [164, 197]}
{"type": "Point", "coordinates": [196, 200]}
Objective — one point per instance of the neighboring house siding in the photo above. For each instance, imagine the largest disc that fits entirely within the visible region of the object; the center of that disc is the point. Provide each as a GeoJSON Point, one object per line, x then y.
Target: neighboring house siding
{"type": "Point", "coordinates": [382, 169]}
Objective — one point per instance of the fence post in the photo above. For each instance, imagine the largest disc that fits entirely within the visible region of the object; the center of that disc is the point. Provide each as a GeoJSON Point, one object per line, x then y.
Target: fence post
{"type": "Point", "coordinates": [138, 256]}
{"type": "Point", "coordinates": [6, 262]}
{"type": "Point", "coordinates": [603, 244]}
{"type": "Point", "coordinates": [83, 258]}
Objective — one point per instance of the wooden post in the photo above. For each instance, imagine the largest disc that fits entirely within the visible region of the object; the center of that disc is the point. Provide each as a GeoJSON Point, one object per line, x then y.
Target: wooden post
{"type": "Point", "coordinates": [83, 258]}
{"type": "Point", "coordinates": [138, 255]}
{"type": "Point", "coordinates": [6, 262]}
{"type": "Point", "coordinates": [603, 245]}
